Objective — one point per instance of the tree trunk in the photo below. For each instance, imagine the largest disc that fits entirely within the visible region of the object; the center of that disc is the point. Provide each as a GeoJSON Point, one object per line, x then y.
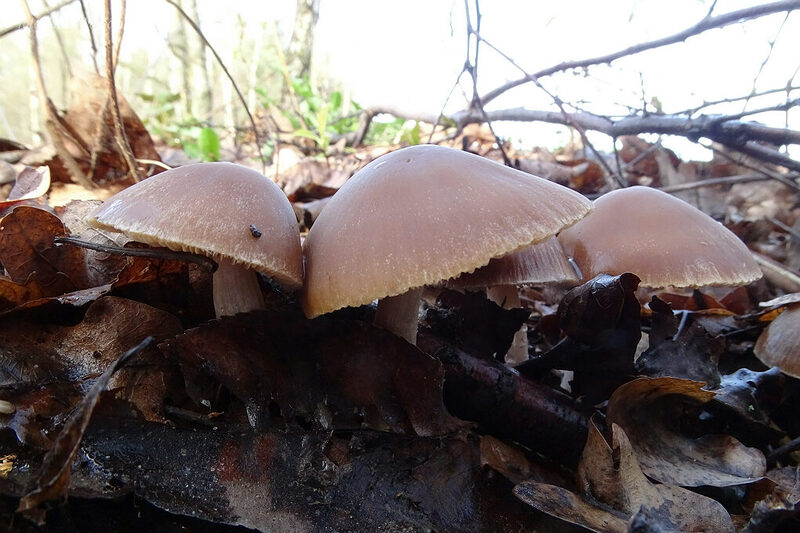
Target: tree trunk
{"type": "Point", "coordinates": [298, 55]}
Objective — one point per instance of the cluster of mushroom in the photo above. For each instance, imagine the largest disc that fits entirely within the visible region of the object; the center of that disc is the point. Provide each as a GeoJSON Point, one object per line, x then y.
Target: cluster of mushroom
{"type": "Point", "coordinates": [423, 215]}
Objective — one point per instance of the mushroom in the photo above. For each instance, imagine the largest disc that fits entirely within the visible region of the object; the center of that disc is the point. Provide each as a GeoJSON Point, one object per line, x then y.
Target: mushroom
{"type": "Point", "coordinates": [419, 216]}
{"type": "Point", "coordinates": [228, 212]}
{"type": "Point", "coordinates": [779, 344]}
{"type": "Point", "coordinates": [663, 240]}
{"type": "Point", "coordinates": [544, 262]}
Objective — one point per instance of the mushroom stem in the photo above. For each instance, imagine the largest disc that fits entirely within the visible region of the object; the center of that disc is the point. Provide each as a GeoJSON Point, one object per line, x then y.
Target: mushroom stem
{"type": "Point", "coordinates": [235, 289]}
{"type": "Point", "coordinates": [400, 314]}
{"type": "Point", "coordinates": [507, 297]}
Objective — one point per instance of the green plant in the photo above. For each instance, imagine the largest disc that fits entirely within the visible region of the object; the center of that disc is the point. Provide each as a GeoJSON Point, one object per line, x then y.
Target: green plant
{"type": "Point", "coordinates": [160, 117]}
{"type": "Point", "coordinates": [315, 116]}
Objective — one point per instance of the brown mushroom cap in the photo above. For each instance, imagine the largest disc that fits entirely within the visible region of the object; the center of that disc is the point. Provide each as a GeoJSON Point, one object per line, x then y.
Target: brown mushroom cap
{"type": "Point", "coordinates": [779, 343]}
{"type": "Point", "coordinates": [209, 208]}
{"type": "Point", "coordinates": [421, 215]}
{"type": "Point", "coordinates": [543, 262]}
{"type": "Point", "coordinates": [661, 239]}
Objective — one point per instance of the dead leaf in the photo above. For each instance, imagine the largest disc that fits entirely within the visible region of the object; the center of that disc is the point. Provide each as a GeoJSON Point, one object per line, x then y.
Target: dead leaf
{"type": "Point", "coordinates": [750, 396]}
{"type": "Point", "coordinates": [53, 480]}
{"type": "Point", "coordinates": [31, 183]}
{"type": "Point", "coordinates": [35, 353]}
{"type": "Point", "coordinates": [94, 144]}
{"type": "Point", "coordinates": [776, 501]}
{"type": "Point", "coordinates": [601, 320]}
{"type": "Point", "coordinates": [613, 491]}
{"type": "Point", "coordinates": [474, 323]}
{"type": "Point", "coordinates": [779, 344]}
{"type": "Point", "coordinates": [568, 506]}
{"type": "Point", "coordinates": [693, 354]}
{"type": "Point", "coordinates": [340, 373]}
{"type": "Point", "coordinates": [652, 411]}
{"type": "Point", "coordinates": [27, 252]}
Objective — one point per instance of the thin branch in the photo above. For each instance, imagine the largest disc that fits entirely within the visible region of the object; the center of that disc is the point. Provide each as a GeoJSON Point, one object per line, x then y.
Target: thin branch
{"type": "Point", "coordinates": [122, 138]}
{"type": "Point", "coordinates": [612, 178]}
{"type": "Point", "coordinates": [766, 59]}
{"type": "Point", "coordinates": [228, 74]}
{"type": "Point", "coordinates": [472, 68]}
{"type": "Point", "coordinates": [91, 36]}
{"type": "Point", "coordinates": [51, 114]}
{"type": "Point", "coordinates": [61, 46]}
{"type": "Point", "coordinates": [692, 111]}
{"type": "Point", "coordinates": [786, 180]}
{"type": "Point", "coordinates": [704, 25]}
{"type": "Point", "coordinates": [727, 180]}
{"type": "Point", "coordinates": [714, 127]}
{"type": "Point", "coordinates": [788, 229]}
{"type": "Point", "coordinates": [36, 18]}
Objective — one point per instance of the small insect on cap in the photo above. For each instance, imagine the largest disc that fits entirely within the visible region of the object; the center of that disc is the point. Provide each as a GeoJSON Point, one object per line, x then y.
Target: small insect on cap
{"type": "Point", "coordinates": [221, 210]}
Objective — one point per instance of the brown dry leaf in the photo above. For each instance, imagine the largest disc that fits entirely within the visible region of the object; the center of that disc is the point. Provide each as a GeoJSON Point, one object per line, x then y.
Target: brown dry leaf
{"type": "Point", "coordinates": [615, 491]}
{"type": "Point", "coordinates": [475, 324]}
{"type": "Point", "coordinates": [775, 501]}
{"type": "Point", "coordinates": [779, 344]}
{"type": "Point", "coordinates": [35, 353]}
{"type": "Point", "coordinates": [89, 119]}
{"type": "Point", "coordinates": [649, 410]}
{"type": "Point", "coordinates": [749, 397]}
{"type": "Point", "coordinates": [602, 322]}
{"type": "Point", "coordinates": [694, 354]}
{"type": "Point", "coordinates": [27, 251]}
{"type": "Point", "coordinates": [53, 480]}
{"type": "Point", "coordinates": [510, 461]}
{"type": "Point", "coordinates": [568, 506]}
{"type": "Point", "coordinates": [31, 183]}
{"type": "Point", "coordinates": [341, 373]}
{"type": "Point", "coordinates": [627, 489]}
{"type": "Point", "coordinates": [13, 294]}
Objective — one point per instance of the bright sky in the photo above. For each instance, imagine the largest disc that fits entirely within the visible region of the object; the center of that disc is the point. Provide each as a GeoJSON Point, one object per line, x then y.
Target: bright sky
{"type": "Point", "coordinates": [408, 54]}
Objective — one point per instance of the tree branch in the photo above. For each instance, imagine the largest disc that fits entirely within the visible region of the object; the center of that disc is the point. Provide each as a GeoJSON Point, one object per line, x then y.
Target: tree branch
{"type": "Point", "coordinates": [707, 23]}
{"type": "Point", "coordinates": [122, 138]}
{"type": "Point", "coordinates": [46, 12]}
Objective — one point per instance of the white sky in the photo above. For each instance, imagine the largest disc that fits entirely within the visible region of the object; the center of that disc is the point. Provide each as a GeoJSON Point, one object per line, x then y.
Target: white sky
{"type": "Point", "coordinates": [408, 53]}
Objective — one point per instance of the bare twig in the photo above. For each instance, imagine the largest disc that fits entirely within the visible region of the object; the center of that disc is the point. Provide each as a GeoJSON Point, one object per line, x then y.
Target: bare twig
{"type": "Point", "coordinates": [613, 179]}
{"type": "Point", "coordinates": [121, 136]}
{"type": "Point", "coordinates": [91, 36]}
{"type": "Point", "coordinates": [789, 182]}
{"type": "Point", "coordinates": [472, 68]}
{"type": "Point", "coordinates": [51, 114]}
{"type": "Point", "coordinates": [705, 24]}
{"type": "Point", "coordinates": [61, 47]}
{"type": "Point", "coordinates": [154, 253]}
{"type": "Point", "coordinates": [726, 180]}
{"type": "Point", "coordinates": [692, 111]}
{"type": "Point", "coordinates": [766, 60]}
{"type": "Point", "coordinates": [20, 25]}
{"type": "Point", "coordinates": [228, 74]}
{"type": "Point", "coordinates": [788, 229]}
{"type": "Point", "coordinates": [732, 133]}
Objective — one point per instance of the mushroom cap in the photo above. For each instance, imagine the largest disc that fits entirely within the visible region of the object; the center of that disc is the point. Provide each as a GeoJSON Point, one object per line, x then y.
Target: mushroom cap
{"type": "Point", "coordinates": [661, 239]}
{"type": "Point", "coordinates": [208, 209]}
{"type": "Point", "coordinates": [422, 215]}
{"type": "Point", "coordinates": [779, 344]}
{"type": "Point", "coordinates": [543, 262]}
